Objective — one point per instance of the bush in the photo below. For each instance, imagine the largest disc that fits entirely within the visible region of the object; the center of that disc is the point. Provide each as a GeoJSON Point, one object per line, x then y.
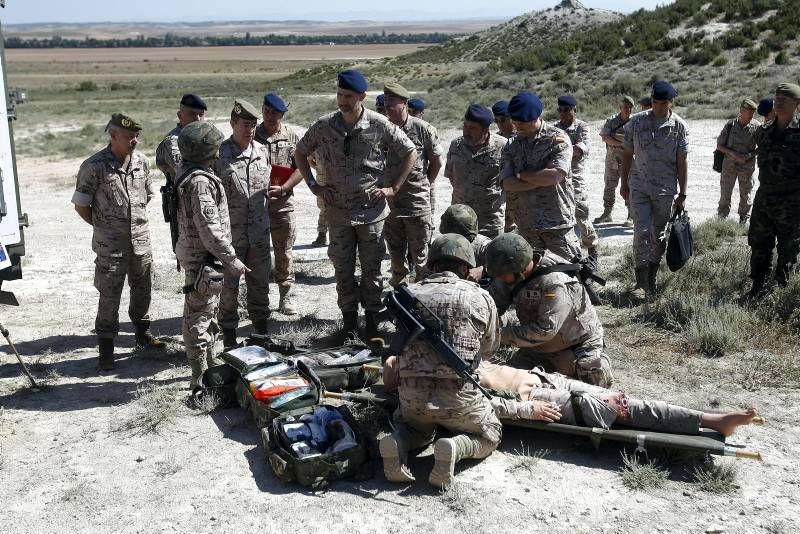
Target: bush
{"type": "Point", "coordinates": [715, 330]}
{"type": "Point", "coordinates": [720, 61]}
{"type": "Point", "coordinates": [781, 58]}
{"type": "Point", "coordinates": [87, 85]}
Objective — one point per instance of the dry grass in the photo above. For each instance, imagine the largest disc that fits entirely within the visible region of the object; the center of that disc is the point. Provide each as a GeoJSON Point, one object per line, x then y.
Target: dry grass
{"type": "Point", "coordinates": [205, 403]}
{"type": "Point", "coordinates": [716, 478]}
{"type": "Point", "coordinates": [76, 491]}
{"type": "Point", "coordinates": [154, 408]}
{"type": "Point", "coordinates": [524, 460]}
{"type": "Point", "coordinates": [642, 475]}
{"type": "Point", "coordinates": [167, 466]}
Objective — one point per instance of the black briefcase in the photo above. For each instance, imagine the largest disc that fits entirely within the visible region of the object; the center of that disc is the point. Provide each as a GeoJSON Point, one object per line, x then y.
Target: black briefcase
{"type": "Point", "coordinates": [680, 244]}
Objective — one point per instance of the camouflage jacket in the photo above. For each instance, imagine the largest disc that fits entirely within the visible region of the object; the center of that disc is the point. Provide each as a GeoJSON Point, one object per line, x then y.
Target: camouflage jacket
{"type": "Point", "coordinates": [614, 127]}
{"type": "Point", "coordinates": [479, 245]}
{"type": "Point", "coordinates": [168, 157]}
{"type": "Point", "coordinates": [779, 157]}
{"type": "Point", "coordinates": [740, 138]}
{"type": "Point", "coordinates": [118, 194]}
{"type": "Point", "coordinates": [554, 311]}
{"type": "Point", "coordinates": [578, 133]}
{"type": "Point", "coordinates": [656, 145]}
{"type": "Point", "coordinates": [281, 148]}
{"type": "Point", "coordinates": [544, 208]}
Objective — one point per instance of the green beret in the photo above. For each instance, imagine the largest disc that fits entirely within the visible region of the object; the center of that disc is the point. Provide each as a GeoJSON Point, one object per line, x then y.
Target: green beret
{"type": "Point", "coordinates": [242, 109]}
{"type": "Point", "coordinates": [124, 121]}
{"type": "Point", "coordinates": [791, 90]}
{"type": "Point", "coordinates": [749, 103]}
{"type": "Point", "coordinates": [394, 88]}
{"type": "Point", "coordinates": [628, 100]}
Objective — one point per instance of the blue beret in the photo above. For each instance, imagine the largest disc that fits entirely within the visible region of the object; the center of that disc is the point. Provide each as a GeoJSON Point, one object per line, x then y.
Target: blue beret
{"type": "Point", "coordinates": [567, 100]}
{"type": "Point", "coordinates": [352, 80]}
{"type": "Point", "coordinates": [765, 106]}
{"type": "Point", "coordinates": [525, 107]}
{"type": "Point", "coordinates": [275, 102]}
{"type": "Point", "coordinates": [417, 103]}
{"type": "Point", "coordinates": [479, 114]}
{"type": "Point", "coordinates": [193, 101]}
{"type": "Point", "coordinates": [380, 100]}
{"type": "Point", "coordinates": [500, 107]}
{"type": "Point", "coordinates": [663, 91]}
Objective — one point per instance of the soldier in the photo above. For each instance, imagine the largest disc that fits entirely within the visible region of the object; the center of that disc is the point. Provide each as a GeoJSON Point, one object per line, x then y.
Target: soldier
{"type": "Point", "coordinates": [578, 132]}
{"type": "Point", "coordinates": [112, 190]}
{"type": "Point", "coordinates": [737, 142]}
{"type": "Point", "coordinates": [505, 127]}
{"type": "Point", "coordinates": [654, 183]}
{"type": "Point", "coordinates": [168, 157]}
{"type": "Point", "coordinates": [536, 165]}
{"type": "Point", "coordinates": [380, 104]}
{"type": "Point", "coordinates": [408, 228]}
{"type": "Point", "coordinates": [351, 144]}
{"type": "Point", "coordinates": [645, 103]}
{"type": "Point", "coordinates": [416, 107]}
{"type": "Point", "coordinates": [558, 326]}
{"type": "Point", "coordinates": [776, 210]}
{"type": "Point", "coordinates": [281, 143]}
{"type": "Point", "coordinates": [613, 136]}
{"type": "Point", "coordinates": [204, 238]}
{"type": "Point", "coordinates": [244, 169]}
{"type": "Point", "coordinates": [430, 393]}
{"type": "Point", "coordinates": [473, 165]}
{"type": "Point", "coordinates": [766, 109]}
{"type": "Point", "coordinates": [462, 220]}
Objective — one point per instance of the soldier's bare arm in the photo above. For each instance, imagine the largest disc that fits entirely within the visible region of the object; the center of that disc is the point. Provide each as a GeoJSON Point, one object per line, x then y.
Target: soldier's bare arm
{"type": "Point", "coordinates": [86, 213]}
{"type": "Point", "coordinates": [683, 172]}
{"type": "Point", "coordinates": [627, 161]}
{"type": "Point", "coordinates": [434, 166]}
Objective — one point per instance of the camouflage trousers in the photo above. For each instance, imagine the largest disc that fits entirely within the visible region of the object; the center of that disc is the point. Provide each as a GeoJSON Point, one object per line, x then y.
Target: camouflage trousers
{"type": "Point", "coordinates": [731, 173]}
{"type": "Point", "coordinates": [775, 220]}
{"type": "Point", "coordinates": [511, 212]}
{"type": "Point", "coordinates": [491, 223]}
{"type": "Point", "coordinates": [589, 236]}
{"type": "Point", "coordinates": [199, 327]}
{"type": "Point", "coordinates": [426, 403]}
{"type": "Point", "coordinates": [611, 177]}
{"type": "Point", "coordinates": [432, 198]}
{"type": "Point", "coordinates": [586, 362]}
{"type": "Point", "coordinates": [650, 216]}
{"type": "Point", "coordinates": [562, 241]}
{"type": "Point", "coordinates": [257, 259]}
{"type": "Point", "coordinates": [364, 241]}
{"type": "Point", "coordinates": [283, 230]}
{"type": "Point", "coordinates": [322, 218]}
{"type": "Point", "coordinates": [407, 237]}
{"type": "Point", "coordinates": [109, 279]}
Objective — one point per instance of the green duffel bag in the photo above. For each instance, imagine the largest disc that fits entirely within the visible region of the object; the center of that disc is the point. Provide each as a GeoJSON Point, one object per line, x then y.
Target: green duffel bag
{"type": "Point", "coordinates": [262, 412]}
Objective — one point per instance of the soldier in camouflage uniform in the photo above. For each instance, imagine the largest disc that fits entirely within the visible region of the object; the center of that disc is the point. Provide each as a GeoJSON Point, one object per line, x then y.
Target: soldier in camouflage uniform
{"type": "Point", "coordinates": [351, 145]}
{"type": "Point", "coordinates": [168, 157]}
{"type": "Point", "coordinates": [776, 209]}
{"type": "Point", "coordinates": [613, 136]}
{"type": "Point", "coordinates": [204, 237]}
{"type": "Point", "coordinates": [558, 326]}
{"type": "Point", "coordinates": [505, 127]}
{"type": "Point", "coordinates": [654, 173]}
{"type": "Point", "coordinates": [244, 169]}
{"type": "Point", "coordinates": [737, 142]}
{"type": "Point", "coordinates": [578, 132]}
{"type": "Point", "coordinates": [408, 228]}
{"type": "Point", "coordinates": [462, 220]}
{"type": "Point", "coordinates": [112, 190]}
{"type": "Point", "coordinates": [473, 164]}
{"type": "Point", "coordinates": [416, 107]}
{"type": "Point", "coordinates": [536, 165]}
{"type": "Point", "coordinates": [766, 108]}
{"type": "Point", "coordinates": [281, 142]}
{"type": "Point", "coordinates": [430, 393]}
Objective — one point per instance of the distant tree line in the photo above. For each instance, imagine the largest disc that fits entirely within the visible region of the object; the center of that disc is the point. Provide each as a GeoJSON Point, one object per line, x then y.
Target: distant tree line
{"type": "Point", "coordinates": [174, 40]}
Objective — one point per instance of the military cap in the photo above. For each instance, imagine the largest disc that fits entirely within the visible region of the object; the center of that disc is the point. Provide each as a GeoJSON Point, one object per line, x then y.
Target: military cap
{"type": "Point", "coordinates": [525, 107]}
{"type": "Point", "coordinates": [124, 121]}
{"type": "Point", "coordinates": [765, 106]}
{"type": "Point", "coordinates": [242, 109]}
{"type": "Point", "coordinates": [199, 141]}
{"type": "Point", "coordinates": [395, 89]}
{"type": "Point", "coordinates": [459, 219]}
{"type": "Point", "coordinates": [451, 247]}
{"type": "Point", "coordinates": [275, 102]}
{"type": "Point", "coordinates": [627, 100]}
{"type": "Point", "coordinates": [508, 253]}
{"type": "Point", "coordinates": [646, 101]}
{"type": "Point", "coordinates": [417, 104]}
{"type": "Point", "coordinates": [749, 103]}
{"type": "Point", "coordinates": [352, 80]}
{"type": "Point", "coordinates": [663, 91]}
{"type": "Point", "coordinates": [500, 108]}
{"type": "Point", "coordinates": [193, 101]}
{"type": "Point", "coordinates": [380, 101]}
{"type": "Point", "coordinates": [792, 90]}
{"type": "Point", "coordinates": [479, 114]}
{"type": "Point", "coordinates": [567, 100]}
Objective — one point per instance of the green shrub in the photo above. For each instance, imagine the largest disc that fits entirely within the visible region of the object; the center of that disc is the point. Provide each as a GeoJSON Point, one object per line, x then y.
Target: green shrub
{"type": "Point", "coordinates": [87, 85]}
{"type": "Point", "coordinates": [715, 330]}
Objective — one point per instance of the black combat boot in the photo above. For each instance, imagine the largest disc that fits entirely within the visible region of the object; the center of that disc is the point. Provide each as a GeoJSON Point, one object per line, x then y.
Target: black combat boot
{"type": "Point", "coordinates": [229, 338]}
{"type": "Point", "coordinates": [652, 276]}
{"type": "Point", "coordinates": [106, 349]}
{"type": "Point", "coordinates": [321, 240]}
{"type": "Point", "coordinates": [260, 326]}
{"type": "Point", "coordinates": [371, 327]}
{"type": "Point", "coordinates": [350, 324]}
{"type": "Point", "coordinates": [144, 338]}
{"type": "Point", "coordinates": [642, 289]}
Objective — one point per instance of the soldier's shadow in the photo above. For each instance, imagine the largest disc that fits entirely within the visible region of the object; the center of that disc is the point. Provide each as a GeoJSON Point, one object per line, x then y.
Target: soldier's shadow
{"type": "Point", "coordinates": [613, 230]}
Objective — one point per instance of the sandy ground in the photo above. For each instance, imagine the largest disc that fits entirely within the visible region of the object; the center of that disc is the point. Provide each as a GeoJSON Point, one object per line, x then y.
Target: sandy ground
{"type": "Point", "coordinates": [71, 459]}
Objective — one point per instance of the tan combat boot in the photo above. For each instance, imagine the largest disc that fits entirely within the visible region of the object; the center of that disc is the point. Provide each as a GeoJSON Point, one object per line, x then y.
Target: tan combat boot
{"type": "Point", "coordinates": [286, 305]}
{"type": "Point", "coordinates": [605, 217]}
{"type": "Point", "coordinates": [642, 289]}
{"type": "Point", "coordinates": [447, 452]}
{"type": "Point", "coordinates": [146, 339]}
{"type": "Point", "coordinates": [394, 452]}
{"type": "Point", "coordinates": [198, 368]}
{"type": "Point", "coordinates": [321, 240]}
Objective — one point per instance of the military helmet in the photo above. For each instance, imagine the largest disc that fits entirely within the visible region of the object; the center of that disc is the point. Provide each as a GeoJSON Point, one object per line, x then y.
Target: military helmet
{"type": "Point", "coordinates": [508, 253]}
{"type": "Point", "coordinates": [199, 141]}
{"type": "Point", "coordinates": [451, 247]}
{"type": "Point", "coordinates": [459, 219]}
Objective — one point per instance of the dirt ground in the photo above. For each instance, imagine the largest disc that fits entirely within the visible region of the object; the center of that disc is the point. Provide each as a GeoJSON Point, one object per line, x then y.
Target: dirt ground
{"type": "Point", "coordinates": [79, 456]}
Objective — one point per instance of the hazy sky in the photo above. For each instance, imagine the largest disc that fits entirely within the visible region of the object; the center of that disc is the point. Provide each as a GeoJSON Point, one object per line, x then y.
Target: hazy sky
{"type": "Point", "coordinates": [27, 11]}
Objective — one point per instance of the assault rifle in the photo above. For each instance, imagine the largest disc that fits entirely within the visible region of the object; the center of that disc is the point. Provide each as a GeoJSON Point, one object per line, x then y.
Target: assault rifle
{"type": "Point", "coordinates": [169, 206]}
{"type": "Point", "coordinates": [411, 324]}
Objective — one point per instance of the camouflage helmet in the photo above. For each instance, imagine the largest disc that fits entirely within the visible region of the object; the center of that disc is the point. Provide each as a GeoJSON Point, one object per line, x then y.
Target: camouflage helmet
{"type": "Point", "coordinates": [508, 254]}
{"type": "Point", "coordinates": [451, 247]}
{"type": "Point", "coordinates": [459, 219]}
{"type": "Point", "coordinates": [199, 141]}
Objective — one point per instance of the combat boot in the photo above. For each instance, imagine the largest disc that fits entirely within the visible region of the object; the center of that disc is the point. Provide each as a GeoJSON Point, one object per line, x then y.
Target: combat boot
{"type": "Point", "coordinates": [628, 222]}
{"type": "Point", "coordinates": [350, 324]}
{"type": "Point", "coordinates": [641, 290]}
{"type": "Point", "coordinates": [229, 338]}
{"type": "Point", "coordinates": [743, 219]}
{"type": "Point", "coordinates": [371, 327]}
{"type": "Point", "coordinates": [756, 290]}
{"type": "Point", "coordinates": [446, 453]}
{"type": "Point", "coordinates": [394, 452]}
{"type": "Point", "coordinates": [106, 350]}
{"type": "Point", "coordinates": [286, 305]}
{"type": "Point", "coordinates": [605, 217]}
{"type": "Point", "coordinates": [259, 326]}
{"type": "Point", "coordinates": [198, 368]}
{"type": "Point", "coordinates": [321, 240]}
{"type": "Point", "coordinates": [652, 277]}
{"type": "Point", "coordinates": [146, 339]}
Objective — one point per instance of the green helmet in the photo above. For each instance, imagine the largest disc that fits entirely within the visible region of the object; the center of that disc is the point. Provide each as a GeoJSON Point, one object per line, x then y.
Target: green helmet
{"type": "Point", "coordinates": [199, 141]}
{"type": "Point", "coordinates": [451, 247]}
{"type": "Point", "coordinates": [459, 219]}
{"type": "Point", "coordinates": [508, 254]}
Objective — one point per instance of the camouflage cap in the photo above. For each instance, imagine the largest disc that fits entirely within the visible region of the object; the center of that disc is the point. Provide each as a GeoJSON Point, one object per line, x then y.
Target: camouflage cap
{"type": "Point", "coordinates": [508, 253]}
{"type": "Point", "coordinates": [199, 141]}
{"type": "Point", "coordinates": [242, 109]}
{"type": "Point", "coordinates": [627, 100]}
{"type": "Point", "coordinates": [395, 89]}
{"type": "Point", "coordinates": [459, 219]}
{"type": "Point", "coordinates": [749, 103]}
{"type": "Point", "coordinates": [792, 90]}
{"type": "Point", "coordinates": [451, 247]}
{"type": "Point", "coordinates": [124, 121]}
